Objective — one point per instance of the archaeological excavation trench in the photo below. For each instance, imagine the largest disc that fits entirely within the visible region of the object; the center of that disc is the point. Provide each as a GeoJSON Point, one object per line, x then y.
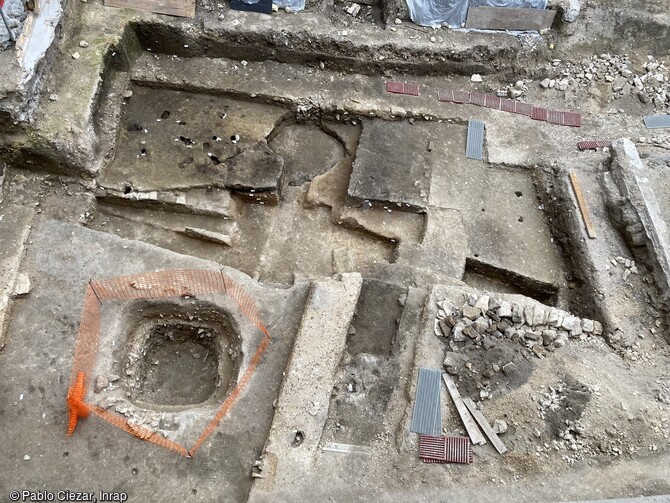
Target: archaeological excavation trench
{"type": "Point", "coordinates": [251, 258]}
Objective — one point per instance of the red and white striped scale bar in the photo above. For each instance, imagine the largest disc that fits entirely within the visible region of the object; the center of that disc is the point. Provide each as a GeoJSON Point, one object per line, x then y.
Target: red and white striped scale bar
{"type": "Point", "coordinates": [495, 103]}
{"type": "Point", "coordinates": [445, 449]}
{"type": "Point", "coordinates": [402, 88]}
{"type": "Point", "coordinates": [593, 144]}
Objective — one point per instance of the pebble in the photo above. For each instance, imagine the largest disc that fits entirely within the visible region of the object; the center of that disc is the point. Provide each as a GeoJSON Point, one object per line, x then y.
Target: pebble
{"type": "Point", "coordinates": [26, 458]}
{"type": "Point", "coordinates": [75, 55]}
{"type": "Point", "coordinates": [127, 94]}
{"type": "Point", "coordinates": [101, 382]}
{"type": "Point", "coordinates": [83, 44]}
{"type": "Point", "coordinates": [397, 21]}
{"type": "Point", "coordinates": [476, 78]}
{"type": "Point", "coordinates": [499, 426]}
{"type": "Point", "coordinates": [53, 97]}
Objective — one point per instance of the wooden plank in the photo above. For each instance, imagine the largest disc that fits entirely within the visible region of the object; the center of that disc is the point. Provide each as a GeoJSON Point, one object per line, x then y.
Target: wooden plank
{"type": "Point", "coordinates": [473, 432]}
{"type": "Point", "coordinates": [508, 18]}
{"type": "Point", "coordinates": [590, 231]}
{"type": "Point", "coordinates": [479, 417]}
{"type": "Point", "coordinates": [182, 8]}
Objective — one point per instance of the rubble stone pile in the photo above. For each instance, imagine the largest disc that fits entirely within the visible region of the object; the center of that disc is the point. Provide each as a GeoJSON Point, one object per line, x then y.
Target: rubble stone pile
{"type": "Point", "coordinates": [483, 318]}
{"type": "Point", "coordinates": [652, 84]}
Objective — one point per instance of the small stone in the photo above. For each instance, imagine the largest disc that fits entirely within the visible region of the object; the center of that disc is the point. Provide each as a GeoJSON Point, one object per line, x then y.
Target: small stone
{"type": "Point", "coordinates": [509, 369]}
{"type": "Point", "coordinates": [113, 378]}
{"type": "Point", "coordinates": [548, 337]}
{"type": "Point", "coordinates": [444, 328]}
{"type": "Point", "coordinates": [53, 97]}
{"type": "Point", "coordinates": [83, 44]}
{"type": "Point", "coordinates": [587, 325]}
{"type": "Point", "coordinates": [539, 351]}
{"type": "Point", "coordinates": [499, 427]}
{"type": "Point", "coordinates": [75, 55]}
{"type": "Point", "coordinates": [597, 328]}
{"type": "Point", "coordinates": [397, 21]}
{"type": "Point", "coordinates": [471, 332]}
{"type": "Point", "coordinates": [545, 83]}
{"type": "Point", "coordinates": [101, 382]}
{"type": "Point", "coordinates": [22, 285]}
{"type": "Point", "coordinates": [528, 314]}
{"type": "Point", "coordinates": [26, 458]}
{"type": "Point", "coordinates": [127, 94]}
{"type": "Point", "coordinates": [397, 111]}
{"type": "Point", "coordinates": [570, 322]}
{"type": "Point", "coordinates": [481, 324]}
{"type": "Point", "coordinates": [470, 312]}
{"type": "Point", "coordinates": [619, 84]}
{"type": "Point", "coordinates": [494, 304]}
{"type": "Point", "coordinates": [561, 340]}
{"type": "Point", "coordinates": [517, 314]}
{"type": "Point", "coordinates": [476, 78]}
{"type": "Point", "coordinates": [552, 317]}
{"type": "Point", "coordinates": [514, 93]}
{"type": "Point", "coordinates": [505, 310]}
{"type": "Point", "coordinates": [483, 303]}
{"type": "Point", "coordinates": [457, 333]}
{"type": "Point", "coordinates": [539, 315]}
{"type": "Point", "coordinates": [454, 362]}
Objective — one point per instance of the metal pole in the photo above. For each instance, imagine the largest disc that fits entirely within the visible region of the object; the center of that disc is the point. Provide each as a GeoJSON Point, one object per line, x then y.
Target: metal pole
{"type": "Point", "coordinates": [11, 33]}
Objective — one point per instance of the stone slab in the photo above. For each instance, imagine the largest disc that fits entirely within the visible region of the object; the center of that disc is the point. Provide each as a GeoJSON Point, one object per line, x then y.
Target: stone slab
{"type": "Point", "coordinates": [443, 248]}
{"type": "Point", "coordinates": [175, 140]}
{"type": "Point", "coordinates": [256, 173]}
{"type": "Point", "coordinates": [307, 150]}
{"type": "Point", "coordinates": [393, 163]}
{"type": "Point", "coordinates": [506, 230]}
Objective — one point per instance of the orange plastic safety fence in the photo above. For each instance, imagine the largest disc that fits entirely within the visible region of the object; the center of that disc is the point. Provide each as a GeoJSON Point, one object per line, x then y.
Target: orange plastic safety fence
{"type": "Point", "coordinates": [234, 395]}
{"type": "Point", "coordinates": [152, 285]}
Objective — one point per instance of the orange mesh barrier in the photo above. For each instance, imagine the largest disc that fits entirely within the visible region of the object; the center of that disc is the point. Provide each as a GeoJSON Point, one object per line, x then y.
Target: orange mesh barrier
{"type": "Point", "coordinates": [152, 285]}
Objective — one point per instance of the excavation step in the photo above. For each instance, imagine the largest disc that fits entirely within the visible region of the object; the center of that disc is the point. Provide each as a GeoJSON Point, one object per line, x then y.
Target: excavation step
{"type": "Point", "coordinates": [302, 407]}
{"type": "Point", "coordinates": [214, 202]}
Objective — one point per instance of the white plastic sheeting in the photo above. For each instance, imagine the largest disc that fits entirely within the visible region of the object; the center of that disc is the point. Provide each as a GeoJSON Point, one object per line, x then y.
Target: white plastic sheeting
{"type": "Point", "coordinates": [15, 13]}
{"type": "Point", "coordinates": [295, 5]}
{"type": "Point", "coordinates": [454, 12]}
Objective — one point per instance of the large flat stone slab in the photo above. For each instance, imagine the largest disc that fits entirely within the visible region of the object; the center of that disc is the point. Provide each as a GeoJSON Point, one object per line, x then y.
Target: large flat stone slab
{"type": "Point", "coordinates": [443, 248]}
{"type": "Point", "coordinates": [505, 226]}
{"type": "Point", "coordinates": [308, 151]}
{"type": "Point", "coordinates": [394, 162]}
{"type": "Point", "coordinates": [174, 139]}
{"type": "Point", "coordinates": [256, 174]}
